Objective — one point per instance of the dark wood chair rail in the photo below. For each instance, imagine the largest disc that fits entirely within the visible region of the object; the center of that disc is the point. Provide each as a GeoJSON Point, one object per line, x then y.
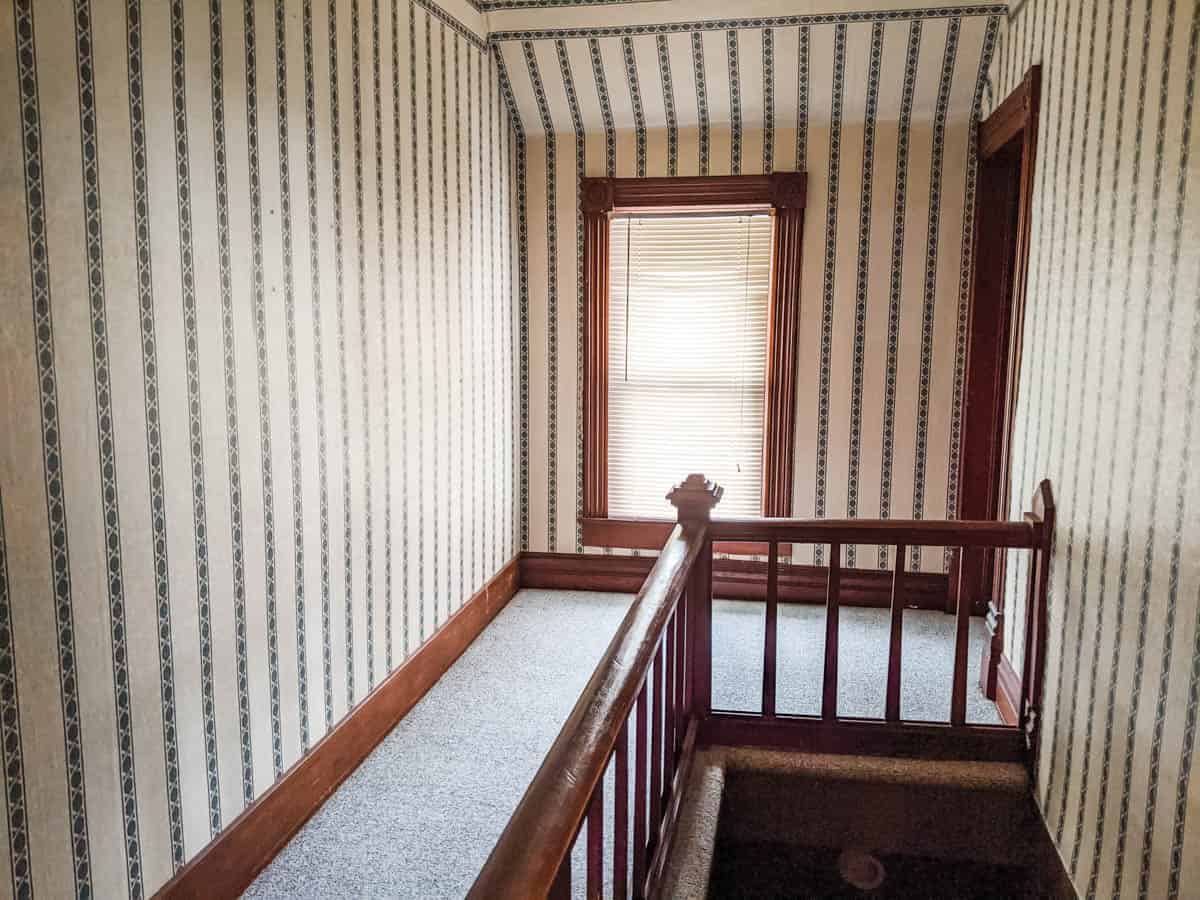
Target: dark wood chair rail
{"type": "Point", "coordinates": [913, 532]}
{"type": "Point", "coordinates": [540, 834]}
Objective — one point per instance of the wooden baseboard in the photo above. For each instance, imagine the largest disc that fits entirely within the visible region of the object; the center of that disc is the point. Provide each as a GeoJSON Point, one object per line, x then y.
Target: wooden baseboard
{"type": "Point", "coordinates": [733, 579]}
{"type": "Point", "coordinates": [227, 866]}
{"type": "Point", "coordinates": [1008, 691]}
{"type": "Point", "coordinates": [1056, 882]}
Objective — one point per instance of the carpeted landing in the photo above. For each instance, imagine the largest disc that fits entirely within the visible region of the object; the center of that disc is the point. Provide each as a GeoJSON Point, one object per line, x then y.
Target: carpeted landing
{"type": "Point", "coordinates": [419, 817]}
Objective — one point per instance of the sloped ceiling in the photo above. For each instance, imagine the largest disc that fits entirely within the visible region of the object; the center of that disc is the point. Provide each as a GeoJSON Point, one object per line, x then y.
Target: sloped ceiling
{"type": "Point", "coordinates": [648, 65]}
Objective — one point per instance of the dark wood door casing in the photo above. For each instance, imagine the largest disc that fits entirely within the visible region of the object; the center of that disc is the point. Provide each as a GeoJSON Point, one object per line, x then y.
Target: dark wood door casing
{"type": "Point", "coordinates": [1007, 146]}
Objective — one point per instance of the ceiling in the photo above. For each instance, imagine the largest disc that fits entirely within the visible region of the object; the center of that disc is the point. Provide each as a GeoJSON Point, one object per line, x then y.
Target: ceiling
{"type": "Point", "coordinates": [641, 63]}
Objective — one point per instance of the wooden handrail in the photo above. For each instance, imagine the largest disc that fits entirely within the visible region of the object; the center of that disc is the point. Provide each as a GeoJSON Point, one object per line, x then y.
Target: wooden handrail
{"type": "Point", "coordinates": [660, 659]}
{"type": "Point", "coordinates": [912, 532]}
{"type": "Point", "coordinates": [538, 838]}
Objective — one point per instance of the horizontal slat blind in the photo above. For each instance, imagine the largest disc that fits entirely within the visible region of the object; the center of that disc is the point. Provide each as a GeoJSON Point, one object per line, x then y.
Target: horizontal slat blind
{"type": "Point", "coordinates": [688, 300]}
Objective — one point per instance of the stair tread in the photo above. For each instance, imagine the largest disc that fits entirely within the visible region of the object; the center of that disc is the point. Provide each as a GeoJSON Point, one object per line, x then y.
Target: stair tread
{"type": "Point", "coordinates": [1004, 777]}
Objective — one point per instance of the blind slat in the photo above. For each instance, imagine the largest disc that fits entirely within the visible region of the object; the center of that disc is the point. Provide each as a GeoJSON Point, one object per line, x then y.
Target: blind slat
{"type": "Point", "coordinates": [688, 301]}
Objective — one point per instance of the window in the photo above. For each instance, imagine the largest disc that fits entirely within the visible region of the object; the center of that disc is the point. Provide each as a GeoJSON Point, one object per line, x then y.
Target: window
{"type": "Point", "coordinates": [692, 293]}
{"type": "Point", "coordinates": [687, 352]}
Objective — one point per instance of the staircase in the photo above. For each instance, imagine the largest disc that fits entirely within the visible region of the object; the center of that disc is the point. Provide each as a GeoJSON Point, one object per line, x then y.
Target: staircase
{"type": "Point", "coordinates": [759, 824]}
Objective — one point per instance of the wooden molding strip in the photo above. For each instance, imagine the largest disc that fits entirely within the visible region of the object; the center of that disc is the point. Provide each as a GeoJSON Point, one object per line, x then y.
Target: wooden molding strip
{"type": "Point", "coordinates": [1017, 111]}
{"type": "Point", "coordinates": [780, 190]}
{"type": "Point", "coordinates": [733, 579]}
{"type": "Point", "coordinates": [227, 866]}
{"type": "Point", "coordinates": [783, 335]}
{"type": "Point", "coordinates": [1008, 691]}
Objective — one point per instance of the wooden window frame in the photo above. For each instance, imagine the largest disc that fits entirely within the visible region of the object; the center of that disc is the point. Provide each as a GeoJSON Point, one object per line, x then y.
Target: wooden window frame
{"type": "Point", "coordinates": [782, 194]}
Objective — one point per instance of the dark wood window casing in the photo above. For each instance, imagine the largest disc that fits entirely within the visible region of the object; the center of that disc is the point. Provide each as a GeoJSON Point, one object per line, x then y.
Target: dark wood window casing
{"type": "Point", "coordinates": [783, 195]}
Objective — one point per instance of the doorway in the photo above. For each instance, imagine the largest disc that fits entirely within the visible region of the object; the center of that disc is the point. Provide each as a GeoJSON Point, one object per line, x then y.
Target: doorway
{"type": "Point", "coordinates": [1007, 146]}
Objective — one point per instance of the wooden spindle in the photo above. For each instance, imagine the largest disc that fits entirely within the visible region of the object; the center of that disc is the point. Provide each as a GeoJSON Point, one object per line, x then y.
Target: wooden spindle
{"type": "Point", "coordinates": [1035, 648]}
{"type": "Point", "coordinates": [829, 692]}
{"type": "Point", "coordinates": [1027, 667]}
{"type": "Point", "coordinates": [640, 857]}
{"type": "Point", "coordinates": [621, 815]}
{"type": "Point", "coordinates": [699, 595]}
{"type": "Point", "coordinates": [595, 844]}
{"type": "Point", "coordinates": [771, 631]}
{"type": "Point", "coordinates": [958, 693]}
{"type": "Point", "coordinates": [561, 888]}
{"type": "Point", "coordinates": [656, 747]}
{"type": "Point", "coordinates": [892, 706]}
{"type": "Point", "coordinates": [681, 673]}
{"type": "Point", "coordinates": [669, 694]}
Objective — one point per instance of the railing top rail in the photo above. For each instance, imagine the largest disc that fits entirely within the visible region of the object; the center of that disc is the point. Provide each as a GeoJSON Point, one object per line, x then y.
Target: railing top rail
{"type": "Point", "coordinates": [540, 833]}
{"type": "Point", "coordinates": [911, 532]}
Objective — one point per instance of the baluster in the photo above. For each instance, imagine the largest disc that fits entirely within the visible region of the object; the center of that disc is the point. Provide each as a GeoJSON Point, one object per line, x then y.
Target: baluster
{"type": "Point", "coordinates": [670, 724]}
{"type": "Point", "coordinates": [561, 889]}
{"type": "Point", "coordinates": [621, 816]}
{"type": "Point", "coordinates": [771, 631]}
{"type": "Point", "coordinates": [681, 673]}
{"type": "Point", "coordinates": [656, 746]}
{"type": "Point", "coordinates": [700, 623]}
{"type": "Point", "coordinates": [892, 708]}
{"type": "Point", "coordinates": [829, 692]}
{"type": "Point", "coordinates": [595, 843]}
{"type": "Point", "coordinates": [1031, 622]}
{"type": "Point", "coordinates": [958, 693]}
{"type": "Point", "coordinates": [639, 796]}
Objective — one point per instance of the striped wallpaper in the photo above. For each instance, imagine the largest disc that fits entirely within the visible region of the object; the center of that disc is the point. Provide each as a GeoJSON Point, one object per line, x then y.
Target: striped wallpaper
{"type": "Point", "coordinates": [1108, 410]}
{"type": "Point", "coordinates": [339, 273]}
{"type": "Point", "coordinates": [878, 109]}
{"type": "Point", "coordinates": [257, 429]}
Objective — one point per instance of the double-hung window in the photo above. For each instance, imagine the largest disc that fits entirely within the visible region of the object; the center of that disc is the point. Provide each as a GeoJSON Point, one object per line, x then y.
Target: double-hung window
{"type": "Point", "coordinates": [687, 357]}
{"type": "Point", "coordinates": [692, 295]}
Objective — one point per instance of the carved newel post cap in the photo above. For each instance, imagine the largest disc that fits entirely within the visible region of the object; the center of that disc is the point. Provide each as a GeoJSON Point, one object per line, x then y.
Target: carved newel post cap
{"type": "Point", "coordinates": [694, 497]}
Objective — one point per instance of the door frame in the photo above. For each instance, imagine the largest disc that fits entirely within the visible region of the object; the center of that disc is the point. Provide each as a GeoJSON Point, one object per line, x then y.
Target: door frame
{"type": "Point", "coordinates": [1007, 154]}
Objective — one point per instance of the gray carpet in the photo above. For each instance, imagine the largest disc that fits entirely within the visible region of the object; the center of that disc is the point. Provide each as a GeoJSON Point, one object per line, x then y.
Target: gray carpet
{"type": "Point", "coordinates": [419, 817]}
{"type": "Point", "coordinates": [927, 662]}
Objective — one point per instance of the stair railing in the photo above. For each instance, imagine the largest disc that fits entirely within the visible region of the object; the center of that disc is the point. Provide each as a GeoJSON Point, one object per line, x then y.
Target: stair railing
{"type": "Point", "coordinates": [640, 691]}
{"type": "Point", "coordinates": [831, 732]}
{"type": "Point", "coordinates": [650, 697]}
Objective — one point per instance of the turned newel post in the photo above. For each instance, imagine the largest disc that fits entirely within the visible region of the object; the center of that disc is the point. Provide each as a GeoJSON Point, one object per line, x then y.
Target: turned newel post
{"type": "Point", "coordinates": [694, 499]}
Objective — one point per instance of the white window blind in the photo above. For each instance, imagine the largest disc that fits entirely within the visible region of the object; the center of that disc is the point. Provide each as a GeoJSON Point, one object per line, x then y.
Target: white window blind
{"type": "Point", "coordinates": [688, 300]}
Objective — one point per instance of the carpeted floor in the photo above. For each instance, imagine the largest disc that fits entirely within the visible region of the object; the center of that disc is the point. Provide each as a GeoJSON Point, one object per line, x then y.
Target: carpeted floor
{"type": "Point", "coordinates": [419, 817]}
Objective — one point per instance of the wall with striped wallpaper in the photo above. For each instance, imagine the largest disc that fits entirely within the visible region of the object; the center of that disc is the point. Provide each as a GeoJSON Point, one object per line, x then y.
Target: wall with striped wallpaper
{"type": "Point", "coordinates": [878, 109]}
{"type": "Point", "coordinates": [257, 425]}
{"type": "Point", "coordinates": [1108, 410]}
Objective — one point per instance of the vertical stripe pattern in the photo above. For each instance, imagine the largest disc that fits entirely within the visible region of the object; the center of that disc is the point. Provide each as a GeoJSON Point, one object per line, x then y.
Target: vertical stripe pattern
{"type": "Point", "coordinates": [1106, 409]}
{"type": "Point", "coordinates": [75, 816]}
{"type": "Point", "coordinates": [183, 167]}
{"type": "Point", "coordinates": [110, 504]}
{"type": "Point", "coordinates": [11, 752]}
{"type": "Point", "coordinates": [867, 145]}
